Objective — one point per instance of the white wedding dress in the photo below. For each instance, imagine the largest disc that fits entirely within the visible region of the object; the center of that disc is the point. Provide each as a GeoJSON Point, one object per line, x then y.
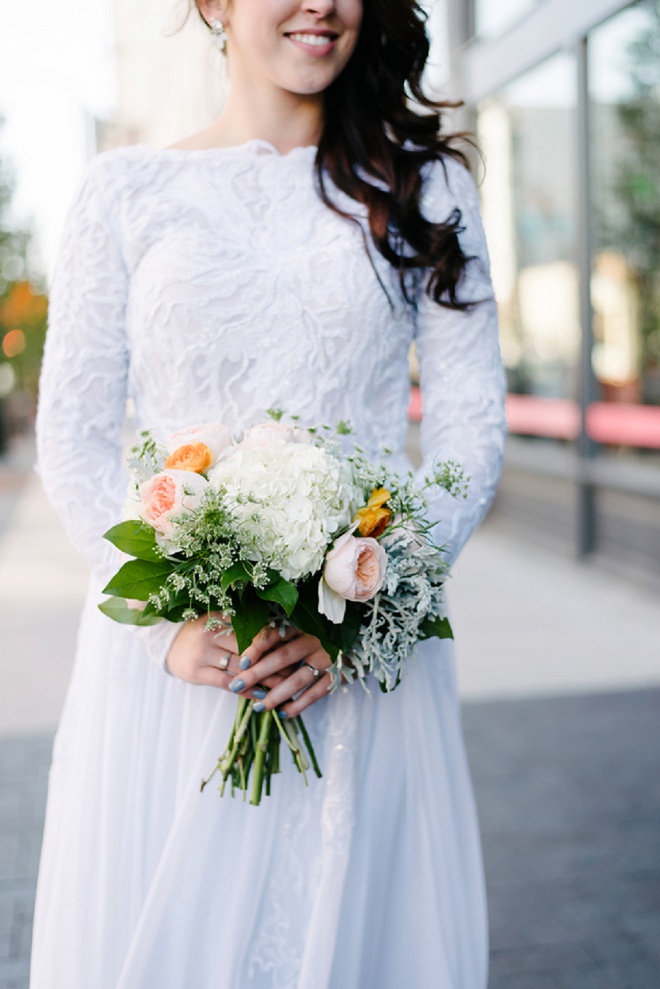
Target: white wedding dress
{"type": "Point", "coordinates": [214, 285]}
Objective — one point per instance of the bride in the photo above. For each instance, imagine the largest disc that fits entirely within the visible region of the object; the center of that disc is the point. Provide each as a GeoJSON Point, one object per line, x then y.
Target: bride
{"type": "Point", "coordinates": [285, 257]}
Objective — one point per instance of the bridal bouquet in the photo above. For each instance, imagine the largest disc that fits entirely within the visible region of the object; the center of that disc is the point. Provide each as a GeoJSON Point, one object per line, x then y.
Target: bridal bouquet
{"type": "Point", "coordinates": [281, 526]}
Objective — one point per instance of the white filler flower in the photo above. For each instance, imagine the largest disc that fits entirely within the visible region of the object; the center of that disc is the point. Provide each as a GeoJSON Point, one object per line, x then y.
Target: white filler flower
{"type": "Point", "coordinates": [288, 501]}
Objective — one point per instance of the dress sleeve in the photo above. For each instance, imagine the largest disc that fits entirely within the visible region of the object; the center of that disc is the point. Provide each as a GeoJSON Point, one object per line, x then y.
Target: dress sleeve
{"type": "Point", "coordinates": [461, 374]}
{"type": "Point", "coordinates": [83, 387]}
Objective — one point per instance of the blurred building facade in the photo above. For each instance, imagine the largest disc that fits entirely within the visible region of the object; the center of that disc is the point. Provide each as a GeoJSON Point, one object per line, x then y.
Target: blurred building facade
{"type": "Point", "coordinates": [565, 100]}
{"type": "Point", "coordinates": [170, 78]}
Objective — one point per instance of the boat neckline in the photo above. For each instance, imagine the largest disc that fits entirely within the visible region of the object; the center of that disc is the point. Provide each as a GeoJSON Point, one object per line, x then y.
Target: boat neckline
{"type": "Point", "coordinates": [257, 145]}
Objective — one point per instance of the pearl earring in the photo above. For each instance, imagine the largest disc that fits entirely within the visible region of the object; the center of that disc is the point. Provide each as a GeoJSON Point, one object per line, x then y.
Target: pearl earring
{"type": "Point", "coordinates": [219, 35]}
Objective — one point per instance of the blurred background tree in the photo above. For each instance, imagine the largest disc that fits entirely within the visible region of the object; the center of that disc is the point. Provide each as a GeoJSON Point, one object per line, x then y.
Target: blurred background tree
{"type": "Point", "coordinates": [639, 188]}
{"type": "Point", "coordinates": [23, 313]}
{"type": "Point", "coordinates": [627, 214]}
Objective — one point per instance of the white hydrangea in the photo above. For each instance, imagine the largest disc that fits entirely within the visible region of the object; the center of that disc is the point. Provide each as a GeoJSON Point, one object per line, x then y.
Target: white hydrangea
{"type": "Point", "coordinates": [288, 500]}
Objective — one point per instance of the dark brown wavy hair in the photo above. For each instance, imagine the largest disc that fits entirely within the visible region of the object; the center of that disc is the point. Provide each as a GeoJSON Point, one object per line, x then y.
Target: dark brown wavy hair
{"type": "Point", "coordinates": [379, 125]}
{"type": "Point", "coordinates": [373, 129]}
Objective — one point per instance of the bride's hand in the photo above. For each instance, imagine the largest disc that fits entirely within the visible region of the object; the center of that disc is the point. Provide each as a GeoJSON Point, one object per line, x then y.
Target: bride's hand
{"type": "Point", "coordinates": [209, 657]}
{"type": "Point", "coordinates": [270, 656]}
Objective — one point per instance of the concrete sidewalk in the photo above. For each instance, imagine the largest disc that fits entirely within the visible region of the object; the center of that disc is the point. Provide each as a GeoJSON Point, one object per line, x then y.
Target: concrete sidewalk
{"type": "Point", "coordinates": [42, 585]}
{"type": "Point", "coordinates": [529, 622]}
{"type": "Point", "coordinates": [568, 791]}
{"type": "Point", "coordinates": [559, 667]}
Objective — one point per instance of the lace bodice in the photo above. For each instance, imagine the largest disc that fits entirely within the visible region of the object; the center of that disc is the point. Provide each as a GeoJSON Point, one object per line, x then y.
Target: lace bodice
{"type": "Point", "coordinates": [214, 285]}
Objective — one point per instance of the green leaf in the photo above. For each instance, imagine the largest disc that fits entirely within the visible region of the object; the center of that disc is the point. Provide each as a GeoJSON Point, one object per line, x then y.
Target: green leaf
{"type": "Point", "coordinates": [138, 579]}
{"type": "Point", "coordinates": [251, 616]}
{"type": "Point", "coordinates": [350, 626]}
{"type": "Point", "coordinates": [179, 600]}
{"type": "Point", "coordinates": [282, 592]}
{"type": "Point", "coordinates": [135, 538]}
{"type": "Point", "coordinates": [119, 611]}
{"type": "Point", "coordinates": [434, 626]}
{"type": "Point", "coordinates": [305, 616]}
{"type": "Point", "coordinates": [236, 574]}
{"type": "Point", "coordinates": [175, 613]}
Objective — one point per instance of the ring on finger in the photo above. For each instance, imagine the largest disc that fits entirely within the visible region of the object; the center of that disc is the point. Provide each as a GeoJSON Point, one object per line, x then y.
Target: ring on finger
{"type": "Point", "coordinates": [317, 673]}
{"type": "Point", "coordinates": [224, 661]}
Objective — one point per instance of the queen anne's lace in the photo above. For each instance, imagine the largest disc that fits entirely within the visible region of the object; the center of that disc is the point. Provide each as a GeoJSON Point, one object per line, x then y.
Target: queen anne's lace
{"type": "Point", "coordinates": [214, 285]}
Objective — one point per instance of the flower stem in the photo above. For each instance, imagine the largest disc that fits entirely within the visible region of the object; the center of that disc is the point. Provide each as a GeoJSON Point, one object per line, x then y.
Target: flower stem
{"type": "Point", "coordinates": [260, 757]}
{"type": "Point", "coordinates": [310, 747]}
{"type": "Point", "coordinates": [298, 754]}
{"type": "Point", "coordinates": [241, 723]}
{"type": "Point", "coordinates": [227, 749]}
{"type": "Point", "coordinates": [275, 754]}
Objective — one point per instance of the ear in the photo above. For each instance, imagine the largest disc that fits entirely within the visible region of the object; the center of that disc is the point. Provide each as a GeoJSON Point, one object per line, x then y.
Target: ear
{"type": "Point", "coordinates": [213, 8]}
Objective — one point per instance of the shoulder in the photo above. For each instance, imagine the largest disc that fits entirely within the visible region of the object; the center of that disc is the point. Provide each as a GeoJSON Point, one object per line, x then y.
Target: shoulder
{"type": "Point", "coordinates": [98, 208]}
{"type": "Point", "coordinates": [447, 184]}
{"type": "Point", "coordinates": [111, 171]}
{"type": "Point", "coordinates": [123, 186]}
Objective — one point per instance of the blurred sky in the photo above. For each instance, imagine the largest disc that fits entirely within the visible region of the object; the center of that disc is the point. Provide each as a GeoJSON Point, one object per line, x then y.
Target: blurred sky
{"type": "Point", "coordinates": [57, 74]}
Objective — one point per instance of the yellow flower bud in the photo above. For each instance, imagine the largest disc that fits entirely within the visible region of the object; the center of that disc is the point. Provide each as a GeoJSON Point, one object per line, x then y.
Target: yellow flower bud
{"type": "Point", "coordinates": [373, 518]}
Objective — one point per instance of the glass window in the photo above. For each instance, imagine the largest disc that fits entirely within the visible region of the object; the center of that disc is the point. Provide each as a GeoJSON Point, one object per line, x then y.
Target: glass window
{"type": "Point", "coordinates": [527, 134]}
{"type": "Point", "coordinates": [624, 76]}
{"type": "Point", "coordinates": [494, 17]}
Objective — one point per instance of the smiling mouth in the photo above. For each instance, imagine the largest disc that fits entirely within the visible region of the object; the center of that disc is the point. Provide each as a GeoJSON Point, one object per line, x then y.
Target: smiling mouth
{"type": "Point", "coordinates": [317, 40]}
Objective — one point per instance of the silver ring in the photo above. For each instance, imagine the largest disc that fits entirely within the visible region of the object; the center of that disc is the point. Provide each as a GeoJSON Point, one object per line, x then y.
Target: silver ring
{"type": "Point", "coordinates": [317, 673]}
{"type": "Point", "coordinates": [224, 662]}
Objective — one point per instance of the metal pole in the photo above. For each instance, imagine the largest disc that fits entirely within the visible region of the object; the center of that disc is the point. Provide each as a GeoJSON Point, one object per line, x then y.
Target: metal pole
{"type": "Point", "coordinates": [586, 448]}
{"type": "Point", "coordinates": [460, 30]}
{"type": "Point", "coordinates": [460, 20]}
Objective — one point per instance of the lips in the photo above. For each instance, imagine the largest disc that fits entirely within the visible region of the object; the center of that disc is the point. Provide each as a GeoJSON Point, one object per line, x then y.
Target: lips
{"type": "Point", "coordinates": [314, 38]}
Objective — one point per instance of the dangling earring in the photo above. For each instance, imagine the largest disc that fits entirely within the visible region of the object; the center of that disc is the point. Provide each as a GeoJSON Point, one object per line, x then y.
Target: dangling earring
{"type": "Point", "coordinates": [219, 35]}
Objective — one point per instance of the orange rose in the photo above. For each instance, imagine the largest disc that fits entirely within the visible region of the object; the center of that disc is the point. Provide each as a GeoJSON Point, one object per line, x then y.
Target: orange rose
{"type": "Point", "coordinates": [372, 520]}
{"type": "Point", "coordinates": [192, 456]}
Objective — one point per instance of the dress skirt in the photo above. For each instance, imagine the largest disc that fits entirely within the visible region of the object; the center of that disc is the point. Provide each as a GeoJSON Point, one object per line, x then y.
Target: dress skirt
{"type": "Point", "coordinates": [370, 878]}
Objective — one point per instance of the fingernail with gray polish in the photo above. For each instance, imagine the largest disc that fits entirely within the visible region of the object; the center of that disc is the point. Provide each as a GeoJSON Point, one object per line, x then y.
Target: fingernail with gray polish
{"type": "Point", "coordinates": [258, 708]}
{"type": "Point", "coordinates": [259, 693]}
{"type": "Point", "coordinates": [236, 685]}
{"type": "Point", "coordinates": [245, 663]}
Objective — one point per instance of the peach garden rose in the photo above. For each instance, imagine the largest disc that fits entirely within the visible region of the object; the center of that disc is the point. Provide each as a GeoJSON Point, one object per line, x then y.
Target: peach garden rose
{"type": "Point", "coordinates": [168, 495]}
{"type": "Point", "coordinates": [354, 571]}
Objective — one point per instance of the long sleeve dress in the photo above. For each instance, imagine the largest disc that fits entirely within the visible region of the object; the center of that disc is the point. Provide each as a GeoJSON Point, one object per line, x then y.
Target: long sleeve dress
{"type": "Point", "coordinates": [214, 285]}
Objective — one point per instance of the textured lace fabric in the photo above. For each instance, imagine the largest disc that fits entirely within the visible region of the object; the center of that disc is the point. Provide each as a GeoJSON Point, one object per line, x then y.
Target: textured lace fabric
{"type": "Point", "coordinates": [215, 285]}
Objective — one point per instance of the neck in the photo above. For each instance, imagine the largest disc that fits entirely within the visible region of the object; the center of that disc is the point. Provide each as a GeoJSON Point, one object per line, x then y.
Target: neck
{"type": "Point", "coordinates": [285, 120]}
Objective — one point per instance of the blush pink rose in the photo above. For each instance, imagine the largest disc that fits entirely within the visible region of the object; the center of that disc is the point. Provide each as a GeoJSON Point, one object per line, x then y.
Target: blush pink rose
{"type": "Point", "coordinates": [354, 571]}
{"type": "Point", "coordinates": [170, 494]}
{"type": "Point", "coordinates": [267, 434]}
{"type": "Point", "coordinates": [212, 434]}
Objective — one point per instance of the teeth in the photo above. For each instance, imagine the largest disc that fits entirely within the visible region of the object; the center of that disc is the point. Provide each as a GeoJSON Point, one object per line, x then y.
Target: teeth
{"type": "Point", "coordinates": [311, 39]}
